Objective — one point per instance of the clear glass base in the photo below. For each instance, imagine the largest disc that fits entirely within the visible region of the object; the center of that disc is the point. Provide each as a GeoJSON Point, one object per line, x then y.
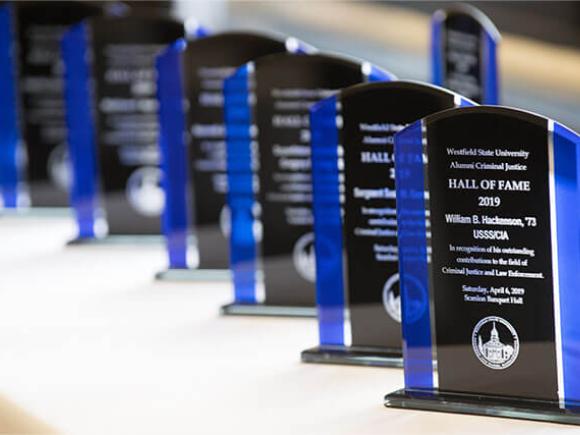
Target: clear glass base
{"type": "Point", "coordinates": [194, 275]}
{"type": "Point", "coordinates": [524, 409]}
{"type": "Point", "coordinates": [35, 212]}
{"type": "Point", "coordinates": [144, 239]}
{"type": "Point", "coordinates": [354, 355]}
{"type": "Point", "coordinates": [235, 309]}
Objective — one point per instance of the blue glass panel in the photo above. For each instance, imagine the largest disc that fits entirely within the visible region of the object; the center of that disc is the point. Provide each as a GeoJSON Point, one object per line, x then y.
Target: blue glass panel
{"type": "Point", "coordinates": [81, 129]}
{"type": "Point", "coordinates": [202, 32]}
{"type": "Point", "coordinates": [197, 32]}
{"type": "Point", "coordinates": [490, 73]}
{"type": "Point", "coordinates": [240, 197]}
{"type": "Point", "coordinates": [436, 49]}
{"type": "Point", "coordinates": [567, 178]}
{"type": "Point", "coordinates": [413, 257]}
{"type": "Point", "coordinates": [174, 161]}
{"type": "Point", "coordinates": [464, 102]}
{"type": "Point", "coordinates": [327, 222]}
{"type": "Point", "coordinates": [297, 46]}
{"type": "Point", "coordinates": [375, 74]}
{"type": "Point", "coordinates": [10, 137]}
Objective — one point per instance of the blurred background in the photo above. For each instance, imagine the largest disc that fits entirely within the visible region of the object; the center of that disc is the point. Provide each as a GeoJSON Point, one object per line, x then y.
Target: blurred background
{"type": "Point", "coordinates": [539, 53]}
{"type": "Point", "coordinates": [91, 344]}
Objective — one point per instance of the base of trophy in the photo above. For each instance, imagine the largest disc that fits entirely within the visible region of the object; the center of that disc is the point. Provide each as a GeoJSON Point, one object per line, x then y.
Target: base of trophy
{"type": "Point", "coordinates": [354, 355]}
{"type": "Point", "coordinates": [194, 275]}
{"type": "Point", "coordinates": [523, 409]}
{"type": "Point", "coordinates": [145, 239]}
{"type": "Point", "coordinates": [38, 212]}
{"type": "Point", "coordinates": [235, 309]}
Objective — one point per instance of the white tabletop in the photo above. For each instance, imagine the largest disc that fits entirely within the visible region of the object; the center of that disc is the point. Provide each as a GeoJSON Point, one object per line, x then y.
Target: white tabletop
{"type": "Point", "coordinates": [91, 344]}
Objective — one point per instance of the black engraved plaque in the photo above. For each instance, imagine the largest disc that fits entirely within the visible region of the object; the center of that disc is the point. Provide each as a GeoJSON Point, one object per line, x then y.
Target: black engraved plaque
{"type": "Point", "coordinates": [370, 120]}
{"type": "Point", "coordinates": [491, 253]}
{"type": "Point", "coordinates": [207, 63]}
{"type": "Point", "coordinates": [40, 26]}
{"type": "Point", "coordinates": [286, 86]}
{"type": "Point", "coordinates": [124, 51]}
{"type": "Point", "coordinates": [462, 55]}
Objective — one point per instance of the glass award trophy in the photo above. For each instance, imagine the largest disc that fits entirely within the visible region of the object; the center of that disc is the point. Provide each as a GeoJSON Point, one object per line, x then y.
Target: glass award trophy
{"type": "Point", "coordinates": [40, 27]}
{"type": "Point", "coordinates": [355, 222]}
{"type": "Point", "coordinates": [192, 144]}
{"type": "Point", "coordinates": [464, 45]}
{"type": "Point", "coordinates": [269, 176]}
{"type": "Point", "coordinates": [487, 205]}
{"type": "Point", "coordinates": [112, 124]}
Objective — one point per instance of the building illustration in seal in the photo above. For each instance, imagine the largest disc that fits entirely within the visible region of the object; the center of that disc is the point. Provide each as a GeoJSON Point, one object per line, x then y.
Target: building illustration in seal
{"type": "Point", "coordinates": [494, 351]}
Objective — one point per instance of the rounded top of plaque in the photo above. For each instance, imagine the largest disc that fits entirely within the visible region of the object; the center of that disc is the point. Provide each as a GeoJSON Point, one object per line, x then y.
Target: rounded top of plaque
{"type": "Point", "coordinates": [400, 85]}
{"type": "Point", "coordinates": [134, 20]}
{"type": "Point", "coordinates": [279, 59]}
{"type": "Point", "coordinates": [233, 48]}
{"type": "Point", "coordinates": [499, 111]}
{"type": "Point", "coordinates": [239, 37]}
{"type": "Point", "coordinates": [470, 12]}
{"type": "Point", "coordinates": [329, 66]}
{"type": "Point", "coordinates": [64, 10]}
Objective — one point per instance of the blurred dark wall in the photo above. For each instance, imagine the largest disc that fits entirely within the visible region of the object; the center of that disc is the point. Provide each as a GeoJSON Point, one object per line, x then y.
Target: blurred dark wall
{"type": "Point", "coordinates": [551, 21]}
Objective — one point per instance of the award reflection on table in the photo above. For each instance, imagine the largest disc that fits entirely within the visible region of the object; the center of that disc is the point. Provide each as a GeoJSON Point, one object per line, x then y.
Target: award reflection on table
{"type": "Point", "coordinates": [487, 203]}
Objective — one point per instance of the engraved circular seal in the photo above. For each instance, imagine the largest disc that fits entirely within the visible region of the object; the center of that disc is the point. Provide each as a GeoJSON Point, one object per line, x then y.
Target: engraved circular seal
{"type": "Point", "coordinates": [144, 191]}
{"type": "Point", "coordinates": [392, 298]}
{"type": "Point", "coordinates": [304, 257]}
{"type": "Point", "coordinates": [225, 220]}
{"type": "Point", "coordinates": [58, 165]}
{"type": "Point", "coordinates": [495, 342]}
{"type": "Point", "coordinates": [416, 299]}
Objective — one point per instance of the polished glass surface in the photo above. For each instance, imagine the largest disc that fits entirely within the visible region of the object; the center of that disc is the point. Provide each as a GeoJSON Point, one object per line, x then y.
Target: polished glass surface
{"type": "Point", "coordinates": [488, 232]}
{"type": "Point", "coordinates": [41, 26]}
{"type": "Point", "coordinates": [80, 131]}
{"type": "Point", "coordinates": [358, 294]}
{"type": "Point", "coordinates": [240, 196]}
{"type": "Point", "coordinates": [196, 193]}
{"type": "Point", "coordinates": [121, 108]}
{"type": "Point", "coordinates": [173, 153]}
{"type": "Point", "coordinates": [276, 220]}
{"type": "Point", "coordinates": [464, 45]}
{"type": "Point", "coordinates": [10, 136]}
